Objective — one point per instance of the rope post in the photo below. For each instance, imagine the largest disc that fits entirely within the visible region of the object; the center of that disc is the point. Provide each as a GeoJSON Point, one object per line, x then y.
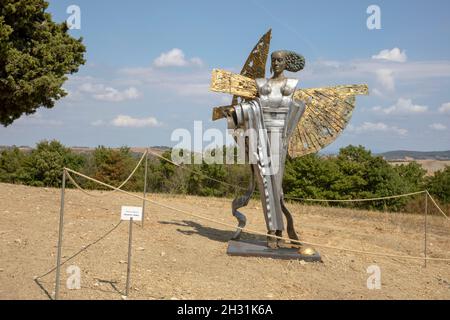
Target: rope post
{"type": "Point", "coordinates": [206, 218]}
{"type": "Point", "coordinates": [425, 229]}
{"type": "Point", "coordinates": [130, 239]}
{"type": "Point", "coordinates": [60, 236]}
{"type": "Point", "coordinates": [145, 188]}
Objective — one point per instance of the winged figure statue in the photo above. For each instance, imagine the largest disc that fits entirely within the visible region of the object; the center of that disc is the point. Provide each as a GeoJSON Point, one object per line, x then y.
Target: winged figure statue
{"type": "Point", "coordinates": [283, 120]}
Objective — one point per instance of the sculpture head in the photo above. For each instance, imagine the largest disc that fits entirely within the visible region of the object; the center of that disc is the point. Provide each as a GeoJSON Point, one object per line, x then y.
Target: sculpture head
{"type": "Point", "coordinates": [286, 60]}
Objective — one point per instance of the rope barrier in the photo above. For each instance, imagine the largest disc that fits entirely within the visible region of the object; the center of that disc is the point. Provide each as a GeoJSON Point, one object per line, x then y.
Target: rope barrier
{"type": "Point", "coordinates": [254, 231]}
{"type": "Point", "coordinates": [358, 200]}
{"type": "Point", "coordinates": [80, 251]}
{"type": "Point", "coordinates": [436, 205]}
{"type": "Point", "coordinates": [119, 187]}
{"type": "Point", "coordinates": [196, 172]}
{"type": "Point", "coordinates": [305, 199]}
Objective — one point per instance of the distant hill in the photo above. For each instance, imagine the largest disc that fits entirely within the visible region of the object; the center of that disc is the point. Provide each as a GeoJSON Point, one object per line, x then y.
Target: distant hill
{"type": "Point", "coordinates": [78, 149]}
{"type": "Point", "coordinates": [397, 155]}
{"type": "Point", "coordinates": [22, 148]}
{"type": "Point", "coordinates": [415, 155]}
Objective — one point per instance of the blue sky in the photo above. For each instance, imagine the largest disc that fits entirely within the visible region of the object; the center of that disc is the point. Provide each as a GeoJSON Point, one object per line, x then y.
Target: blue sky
{"type": "Point", "coordinates": [149, 64]}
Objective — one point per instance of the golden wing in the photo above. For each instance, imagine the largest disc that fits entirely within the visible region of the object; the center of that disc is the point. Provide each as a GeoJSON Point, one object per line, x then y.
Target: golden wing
{"type": "Point", "coordinates": [254, 67]}
{"type": "Point", "coordinates": [328, 111]}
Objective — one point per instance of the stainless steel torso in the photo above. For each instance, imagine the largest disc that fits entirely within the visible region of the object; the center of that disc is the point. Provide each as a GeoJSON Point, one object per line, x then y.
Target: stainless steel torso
{"type": "Point", "coordinates": [275, 97]}
{"type": "Point", "coordinates": [281, 114]}
{"type": "Point", "coordinates": [274, 114]}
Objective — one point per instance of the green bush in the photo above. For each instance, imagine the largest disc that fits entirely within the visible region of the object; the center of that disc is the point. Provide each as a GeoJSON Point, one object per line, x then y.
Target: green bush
{"type": "Point", "coordinates": [439, 185]}
{"type": "Point", "coordinates": [311, 177]}
{"type": "Point", "coordinates": [112, 167]}
{"type": "Point", "coordinates": [44, 166]}
{"type": "Point", "coordinates": [353, 173]}
{"type": "Point", "coordinates": [12, 165]}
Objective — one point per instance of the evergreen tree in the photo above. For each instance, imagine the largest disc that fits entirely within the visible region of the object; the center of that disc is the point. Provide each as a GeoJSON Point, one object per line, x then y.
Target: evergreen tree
{"type": "Point", "coordinates": [35, 56]}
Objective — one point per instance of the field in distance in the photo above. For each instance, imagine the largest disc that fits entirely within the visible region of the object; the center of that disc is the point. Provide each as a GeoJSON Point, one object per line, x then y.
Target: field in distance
{"type": "Point", "coordinates": [430, 165]}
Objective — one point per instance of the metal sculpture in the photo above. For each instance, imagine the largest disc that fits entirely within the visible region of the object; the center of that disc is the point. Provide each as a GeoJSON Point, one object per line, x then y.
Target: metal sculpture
{"type": "Point", "coordinates": [277, 119]}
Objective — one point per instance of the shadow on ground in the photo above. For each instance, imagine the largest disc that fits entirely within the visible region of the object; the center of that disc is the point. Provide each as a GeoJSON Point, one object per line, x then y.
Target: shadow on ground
{"type": "Point", "coordinates": [208, 232]}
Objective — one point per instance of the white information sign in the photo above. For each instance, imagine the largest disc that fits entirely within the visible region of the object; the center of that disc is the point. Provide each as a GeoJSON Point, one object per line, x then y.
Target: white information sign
{"type": "Point", "coordinates": [131, 212]}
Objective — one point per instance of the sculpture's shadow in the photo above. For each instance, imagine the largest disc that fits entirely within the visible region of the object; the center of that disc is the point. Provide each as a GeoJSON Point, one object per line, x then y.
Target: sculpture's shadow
{"type": "Point", "coordinates": [208, 232]}
{"type": "Point", "coordinates": [248, 245]}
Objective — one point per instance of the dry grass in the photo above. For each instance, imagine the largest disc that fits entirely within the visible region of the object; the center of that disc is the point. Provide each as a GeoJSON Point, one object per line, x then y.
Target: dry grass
{"type": "Point", "coordinates": [176, 256]}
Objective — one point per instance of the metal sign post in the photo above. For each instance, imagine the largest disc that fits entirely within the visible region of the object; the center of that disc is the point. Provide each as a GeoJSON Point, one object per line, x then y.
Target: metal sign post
{"type": "Point", "coordinates": [425, 228]}
{"type": "Point", "coordinates": [130, 240]}
{"type": "Point", "coordinates": [60, 237]}
{"type": "Point", "coordinates": [130, 213]}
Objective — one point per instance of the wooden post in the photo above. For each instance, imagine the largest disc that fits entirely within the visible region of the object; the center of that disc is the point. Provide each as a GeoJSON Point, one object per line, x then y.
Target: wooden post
{"type": "Point", "coordinates": [425, 228]}
{"type": "Point", "coordinates": [60, 236]}
{"type": "Point", "coordinates": [145, 188]}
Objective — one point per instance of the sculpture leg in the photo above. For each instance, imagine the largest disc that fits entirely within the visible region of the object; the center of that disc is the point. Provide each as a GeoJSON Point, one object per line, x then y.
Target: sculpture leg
{"type": "Point", "coordinates": [289, 221]}
{"type": "Point", "coordinates": [242, 201]}
{"type": "Point", "coordinates": [272, 242]}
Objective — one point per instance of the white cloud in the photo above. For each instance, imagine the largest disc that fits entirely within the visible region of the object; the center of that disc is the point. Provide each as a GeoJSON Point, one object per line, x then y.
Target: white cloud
{"type": "Point", "coordinates": [386, 79]}
{"type": "Point", "coordinates": [105, 93]}
{"type": "Point", "coordinates": [98, 123]}
{"type": "Point", "coordinates": [90, 87]}
{"type": "Point", "coordinates": [175, 58]}
{"type": "Point", "coordinates": [445, 108]}
{"type": "Point", "coordinates": [374, 127]}
{"type": "Point", "coordinates": [438, 126]}
{"type": "Point", "coordinates": [127, 121]}
{"type": "Point", "coordinates": [114, 95]}
{"type": "Point", "coordinates": [386, 73]}
{"type": "Point", "coordinates": [193, 84]}
{"type": "Point", "coordinates": [395, 55]}
{"type": "Point", "coordinates": [403, 106]}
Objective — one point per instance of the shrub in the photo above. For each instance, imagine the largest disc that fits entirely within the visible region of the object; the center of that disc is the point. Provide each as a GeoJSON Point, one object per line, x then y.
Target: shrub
{"type": "Point", "coordinates": [439, 185]}
{"type": "Point", "coordinates": [43, 167]}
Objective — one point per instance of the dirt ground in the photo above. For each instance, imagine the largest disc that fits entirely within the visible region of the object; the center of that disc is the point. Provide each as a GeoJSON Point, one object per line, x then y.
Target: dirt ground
{"type": "Point", "coordinates": [179, 257]}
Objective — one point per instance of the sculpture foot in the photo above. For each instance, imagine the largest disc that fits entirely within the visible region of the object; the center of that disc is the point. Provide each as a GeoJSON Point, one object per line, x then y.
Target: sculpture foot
{"type": "Point", "coordinates": [272, 242]}
{"type": "Point", "coordinates": [284, 244]}
{"type": "Point", "coordinates": [275, 243]}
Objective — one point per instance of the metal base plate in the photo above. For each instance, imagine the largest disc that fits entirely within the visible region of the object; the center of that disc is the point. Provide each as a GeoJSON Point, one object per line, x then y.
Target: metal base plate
{"type": "Point", "coordinates": [249, 248]}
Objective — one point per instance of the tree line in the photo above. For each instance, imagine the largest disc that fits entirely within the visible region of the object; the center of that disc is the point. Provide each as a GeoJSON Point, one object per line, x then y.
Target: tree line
{"type": "Point", "coordinates": [353, 173]}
